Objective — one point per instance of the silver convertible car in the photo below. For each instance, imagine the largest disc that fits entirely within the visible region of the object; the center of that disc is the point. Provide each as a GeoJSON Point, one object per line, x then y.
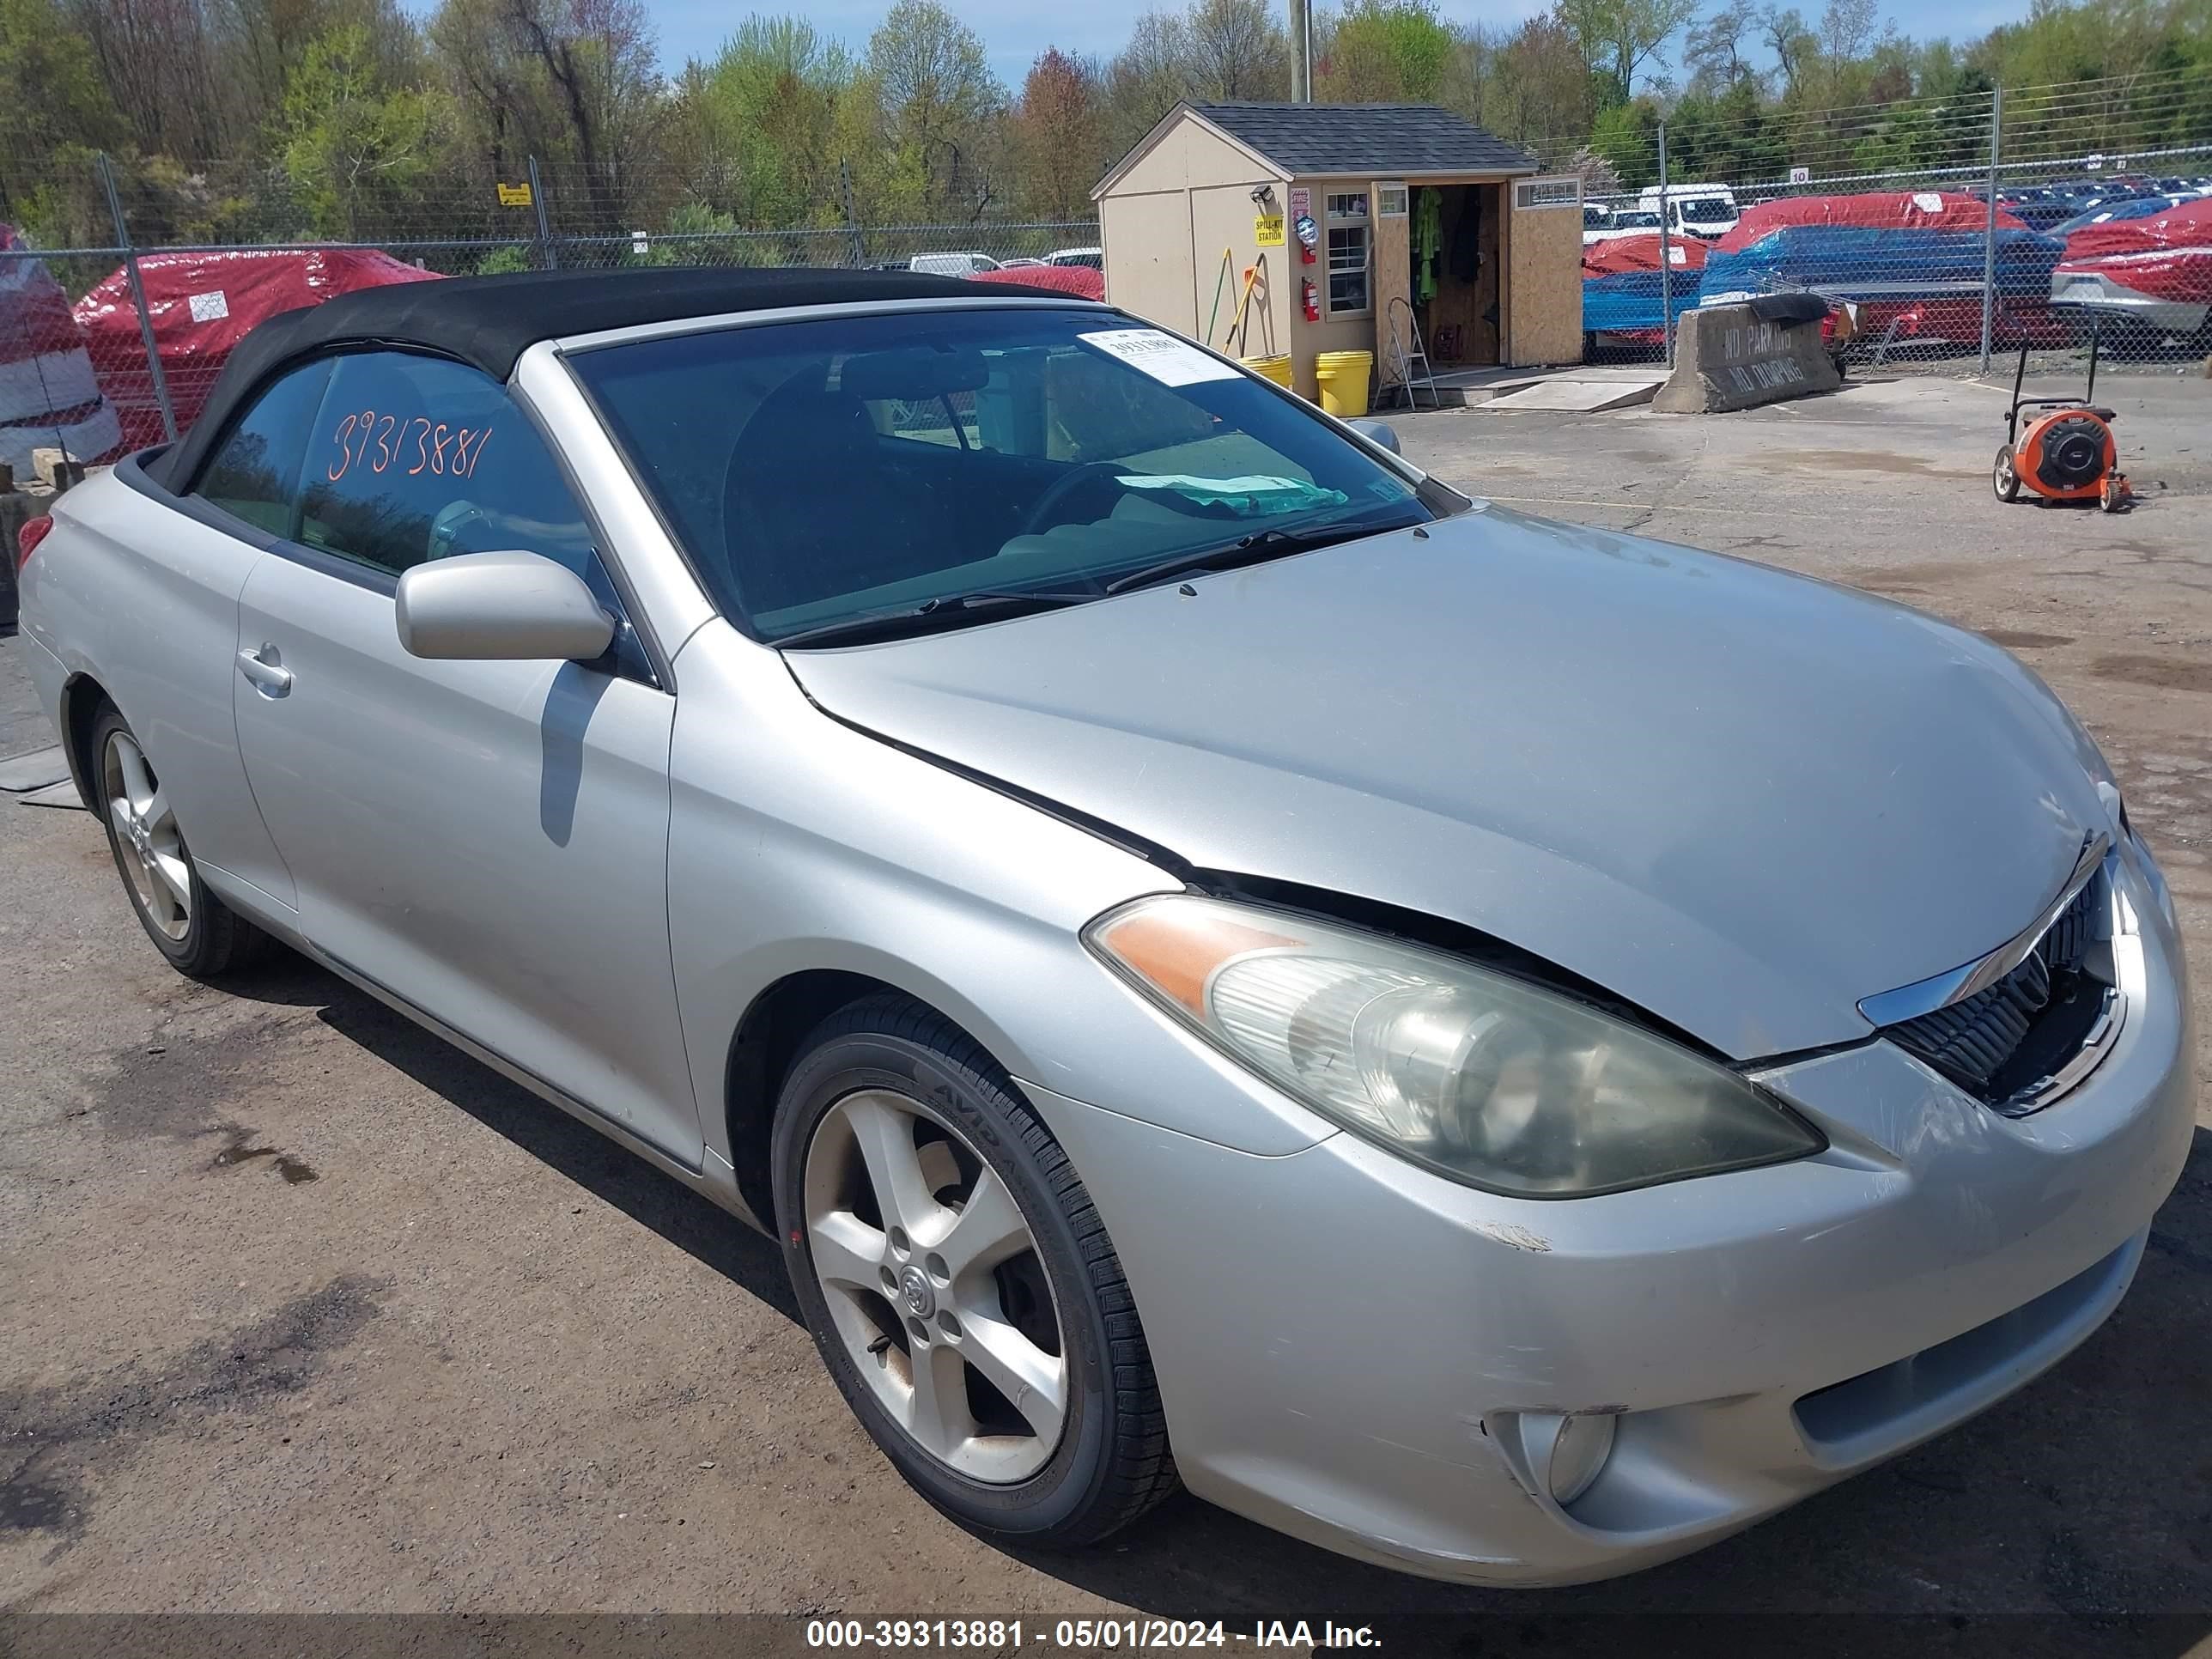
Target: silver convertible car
{"type": "Point", "coordinates": [1508, 1051]}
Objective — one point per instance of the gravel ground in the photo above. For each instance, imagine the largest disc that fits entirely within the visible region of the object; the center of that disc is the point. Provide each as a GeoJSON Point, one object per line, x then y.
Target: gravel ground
{"type": "Point", "coordinates": [305, 1311]}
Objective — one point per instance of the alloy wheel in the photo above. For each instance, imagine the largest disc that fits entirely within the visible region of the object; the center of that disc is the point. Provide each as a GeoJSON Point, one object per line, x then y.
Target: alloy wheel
{"type": "Point", "coordinates": [150, 848]}
{"type": "Point", "coordinates": [933, 1282]}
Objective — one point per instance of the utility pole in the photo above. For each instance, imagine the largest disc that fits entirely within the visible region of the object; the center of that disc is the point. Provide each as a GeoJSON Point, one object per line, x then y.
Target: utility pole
{"type": "Point", "coordinates": [1990, 233]}
{"type": "Point", "coordinates": [1666, 256]}
{"type": "Point", "coordinates": [1301, 52]}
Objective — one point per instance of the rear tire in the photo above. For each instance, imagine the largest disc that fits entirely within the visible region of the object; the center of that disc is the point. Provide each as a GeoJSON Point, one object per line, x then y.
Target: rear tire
{"type": "Point", "coordinates": [202, 937]}
{"type": "Point", "coordinates": [891, 1132]}
{"type": "Point", "coordinates": [2003, 480]}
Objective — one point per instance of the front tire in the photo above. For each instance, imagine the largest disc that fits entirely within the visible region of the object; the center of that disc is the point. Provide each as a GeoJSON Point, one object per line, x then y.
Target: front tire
{"type": "Point", "coordinates": [960, 1284]}
{"type": "Point", "coordinates": [2004, 480]}
{"type": "Point", "coordinates": [202, 937]}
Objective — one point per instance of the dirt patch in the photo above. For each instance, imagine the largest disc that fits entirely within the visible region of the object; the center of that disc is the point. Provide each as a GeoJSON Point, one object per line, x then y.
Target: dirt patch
{"type": "Point", "coordinates": [166, 1089]}
{"type": "Point", "coordinates": [2167, 673]}
{"type": "Point", "coordinates": [57, 1437]}
{"type": "Point", "coordinates": [2019, 639]}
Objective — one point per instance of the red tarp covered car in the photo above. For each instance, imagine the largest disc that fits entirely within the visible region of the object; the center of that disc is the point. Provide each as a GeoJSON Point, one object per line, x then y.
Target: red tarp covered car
{"type": "Point", "coordinates": [2155, 270]}
{"type": "Point", "coordinates": [48, 396]}
{"type": "Point", "coordinates": [1080, 281]}
{"type": "Point", "coordinates": [201, 305]}
{"type": "Point", "coordinates": [1622, 295]}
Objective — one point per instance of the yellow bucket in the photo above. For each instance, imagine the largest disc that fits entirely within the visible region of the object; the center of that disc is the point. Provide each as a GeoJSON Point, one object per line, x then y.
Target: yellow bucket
{"type": "Point", "coordinates": [1276, 368]}
{"type": "Point", "coordinates": [1342, 378]}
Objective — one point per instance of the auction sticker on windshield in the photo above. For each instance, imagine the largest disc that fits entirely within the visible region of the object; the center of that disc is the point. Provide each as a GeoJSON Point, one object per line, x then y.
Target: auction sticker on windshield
{"type": "Point", "coordinates": [1166, 359]}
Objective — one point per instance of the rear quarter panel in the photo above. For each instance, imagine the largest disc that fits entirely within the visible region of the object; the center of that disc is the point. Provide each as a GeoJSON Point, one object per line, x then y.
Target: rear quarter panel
{"type": "Point", "coordinates": [142, 598]}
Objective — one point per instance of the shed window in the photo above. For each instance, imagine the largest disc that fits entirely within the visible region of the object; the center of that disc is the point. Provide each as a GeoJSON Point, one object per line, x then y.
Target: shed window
{"type": "Point", "coordinates": [1349, 293]}
{"type": "Point", "coordinates": [1547, 193]}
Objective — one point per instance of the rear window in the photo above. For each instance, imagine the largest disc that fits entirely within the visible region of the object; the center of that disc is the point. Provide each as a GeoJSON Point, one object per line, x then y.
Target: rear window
{"type": "Point", "coordinates": [820, 471]}
{"type": "Point", "coordinates": [254, 473]}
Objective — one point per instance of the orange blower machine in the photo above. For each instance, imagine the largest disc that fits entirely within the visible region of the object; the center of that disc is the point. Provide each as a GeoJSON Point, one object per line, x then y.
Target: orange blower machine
{"type": "Point", "coordinates": [2064, 454]}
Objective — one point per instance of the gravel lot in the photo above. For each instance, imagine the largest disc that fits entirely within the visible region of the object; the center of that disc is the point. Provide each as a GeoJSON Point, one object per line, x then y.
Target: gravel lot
{"type": "Point", "coordinates": [305, 1311]}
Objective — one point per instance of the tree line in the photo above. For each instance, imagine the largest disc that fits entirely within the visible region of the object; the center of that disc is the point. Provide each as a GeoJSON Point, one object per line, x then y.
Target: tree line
{"type": "Point", "coordinates": [354, 120]}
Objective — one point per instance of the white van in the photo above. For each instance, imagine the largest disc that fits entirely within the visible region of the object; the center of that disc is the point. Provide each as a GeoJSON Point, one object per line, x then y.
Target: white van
{"type": "Point", "coordinates": [952, 265]}
{"type": "Point", "coordinates": [1706, 210]}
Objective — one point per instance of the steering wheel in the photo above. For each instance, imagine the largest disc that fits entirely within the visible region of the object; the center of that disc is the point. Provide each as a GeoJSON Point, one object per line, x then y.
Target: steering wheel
{"type": "Point", "coordinates": [1090, 472]}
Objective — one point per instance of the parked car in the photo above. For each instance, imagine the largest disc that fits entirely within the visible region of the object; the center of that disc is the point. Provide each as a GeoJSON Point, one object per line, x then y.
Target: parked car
{"type": "Point", "coordinates": [1094, 258]}
{"type": "Point", "coordinates": [201, 304]}
{"type": "Point", "coordinates": [2144, 277]}
{"type": "Point", "coordinates": [1069, 870]}
{"type": "Point", "coordinates": [1625, 222]}
{"type": "Point", "coordinates": [1709, 212]}
{"type": "Point", "coordinates": [48, 394]}
{"type": "Point", "coordinates": [2104, 213]}
{"type": "Point", "coordinates": [952, 265]}
{"type": "Point", "coordinates": [2090, 203]}
{"type": "Point", "coordinates": [2037, 207]}
{"type": "Point", "coordinates": [1080, 281]}
{"type": "Point", "coordinates": [1632, 289]}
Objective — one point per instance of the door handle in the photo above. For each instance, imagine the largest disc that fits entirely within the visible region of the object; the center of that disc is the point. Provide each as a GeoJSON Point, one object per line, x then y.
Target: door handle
{"type": "Point", "coordinates": [263, 671]}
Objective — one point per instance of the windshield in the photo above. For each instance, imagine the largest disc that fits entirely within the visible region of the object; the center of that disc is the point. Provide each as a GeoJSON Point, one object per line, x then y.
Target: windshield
{"type": "Point", "coordinates": [1707, 210]}
{"type": "Point", "coordinates": [825, 470]}
{"type": "Point", "coordinates": [1636, 221]}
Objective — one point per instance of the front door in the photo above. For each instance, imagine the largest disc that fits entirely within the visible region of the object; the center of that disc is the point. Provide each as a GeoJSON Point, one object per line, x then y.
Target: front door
{"type": "Point", "coordinates": [487, 840]}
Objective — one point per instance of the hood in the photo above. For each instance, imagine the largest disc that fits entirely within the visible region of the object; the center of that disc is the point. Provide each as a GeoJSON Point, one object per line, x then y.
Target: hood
{"type": "Point", "coordinates": [1740, 800]}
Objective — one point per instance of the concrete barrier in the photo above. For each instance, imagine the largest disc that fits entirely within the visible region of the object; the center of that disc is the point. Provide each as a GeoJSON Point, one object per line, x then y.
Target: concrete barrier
{"type": "Point", "coordinates": [1728, 357]}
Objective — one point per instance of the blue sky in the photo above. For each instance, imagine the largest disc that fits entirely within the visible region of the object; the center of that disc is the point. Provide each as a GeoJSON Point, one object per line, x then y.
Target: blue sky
{"type": "Point", "coordinates": [1016, 31]}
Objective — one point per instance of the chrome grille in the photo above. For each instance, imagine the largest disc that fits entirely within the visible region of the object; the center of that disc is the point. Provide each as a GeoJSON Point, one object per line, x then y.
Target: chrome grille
{"type": "Point", "coordinates": [2003, 1043]}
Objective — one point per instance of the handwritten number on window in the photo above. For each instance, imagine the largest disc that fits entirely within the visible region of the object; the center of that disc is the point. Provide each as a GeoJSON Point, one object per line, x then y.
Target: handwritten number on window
{"type": "Point", "coordinates": [378, 440]}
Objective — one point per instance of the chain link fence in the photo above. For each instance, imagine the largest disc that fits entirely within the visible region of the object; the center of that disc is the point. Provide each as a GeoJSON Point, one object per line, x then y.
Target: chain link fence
{"type": "Point", "coordinates": [119, 308]}
{"type": "Point", "coordinates": [1955, 231]}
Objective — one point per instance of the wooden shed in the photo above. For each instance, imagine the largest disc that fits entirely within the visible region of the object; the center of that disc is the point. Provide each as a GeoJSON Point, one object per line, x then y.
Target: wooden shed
{"type": "Point", "coordinates": [1419, 218]}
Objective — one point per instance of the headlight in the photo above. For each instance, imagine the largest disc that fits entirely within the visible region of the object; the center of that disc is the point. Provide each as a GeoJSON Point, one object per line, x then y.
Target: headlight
{"type": "Point", "coordinates": [1480, 1076]}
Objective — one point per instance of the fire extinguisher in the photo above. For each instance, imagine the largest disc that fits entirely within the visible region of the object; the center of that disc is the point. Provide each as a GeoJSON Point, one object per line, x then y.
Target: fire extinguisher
{"type": "Point", "coordinates": [1309, 298]}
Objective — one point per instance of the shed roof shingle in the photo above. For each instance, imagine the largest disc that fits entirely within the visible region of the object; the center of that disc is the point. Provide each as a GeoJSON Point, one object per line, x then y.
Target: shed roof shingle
{"type": "Point", "coordinates": [1366, 138]}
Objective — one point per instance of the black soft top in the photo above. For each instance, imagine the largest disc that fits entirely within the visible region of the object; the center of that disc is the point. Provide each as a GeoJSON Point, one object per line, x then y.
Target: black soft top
{"type": "Point", "coordinates": [489, 321]}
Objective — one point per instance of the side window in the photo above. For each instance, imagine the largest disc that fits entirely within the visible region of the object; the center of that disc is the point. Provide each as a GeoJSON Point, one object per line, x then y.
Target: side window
{"type": "Point", "coordinates": [414, 458]}
{"type": "Point", "coordinates": [1348, 289]}
{"type": "Point", "coordinates": [255, 472]}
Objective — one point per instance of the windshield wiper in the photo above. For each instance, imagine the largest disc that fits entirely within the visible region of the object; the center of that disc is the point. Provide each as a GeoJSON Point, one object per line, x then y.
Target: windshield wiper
{"type": "Point", "coordinates": [929, 616]}
{"type": "Point", "coordinates": [1254, 548]}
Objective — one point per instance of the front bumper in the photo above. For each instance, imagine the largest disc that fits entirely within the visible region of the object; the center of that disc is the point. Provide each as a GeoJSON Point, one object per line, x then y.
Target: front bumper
{"type": "Point", "coordinates": [1345, 1343]}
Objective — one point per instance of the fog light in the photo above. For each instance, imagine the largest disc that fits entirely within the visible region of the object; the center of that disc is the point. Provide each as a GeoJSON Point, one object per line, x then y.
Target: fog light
{"type": "Point", "coordinates": [1567, 1452]}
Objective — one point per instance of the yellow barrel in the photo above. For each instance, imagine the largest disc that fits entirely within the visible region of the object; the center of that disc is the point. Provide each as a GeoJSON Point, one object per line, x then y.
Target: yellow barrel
{"type": "Point", "coordinates": [1276, 368]}
{"type": "Point", "coordinates": [1342, 378]}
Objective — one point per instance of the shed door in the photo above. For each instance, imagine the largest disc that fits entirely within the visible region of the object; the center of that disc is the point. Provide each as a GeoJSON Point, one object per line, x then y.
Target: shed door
{"type": "Point", "coordinates": [1148, 258]}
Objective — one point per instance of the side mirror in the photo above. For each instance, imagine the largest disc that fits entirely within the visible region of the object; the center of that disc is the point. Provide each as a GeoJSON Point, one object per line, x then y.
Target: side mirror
{"type": "Point", "coordinates": [499, 607]}
{"type": "Point", "coordinates": [1380, 433]}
